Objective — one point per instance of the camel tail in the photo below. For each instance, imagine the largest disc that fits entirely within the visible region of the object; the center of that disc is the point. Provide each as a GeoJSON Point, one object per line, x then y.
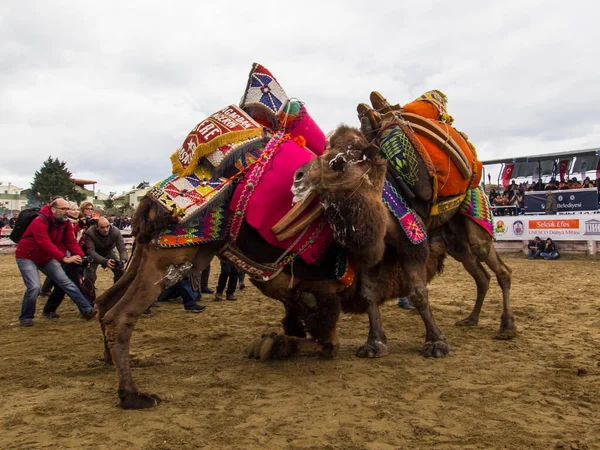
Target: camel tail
{"type": "Point", "coordinates": [149, 221]}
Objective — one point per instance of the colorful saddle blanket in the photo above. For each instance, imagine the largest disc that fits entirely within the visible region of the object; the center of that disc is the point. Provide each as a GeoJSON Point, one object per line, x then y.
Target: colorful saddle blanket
{"type": "Point", "coordinates": [476, 206]}
{"type": "Point", "coordinates": [265, 196]}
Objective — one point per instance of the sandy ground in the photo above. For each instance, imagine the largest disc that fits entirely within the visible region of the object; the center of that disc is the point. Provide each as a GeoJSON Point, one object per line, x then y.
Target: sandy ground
{"type": "Point", "coordinates": [541, 390]}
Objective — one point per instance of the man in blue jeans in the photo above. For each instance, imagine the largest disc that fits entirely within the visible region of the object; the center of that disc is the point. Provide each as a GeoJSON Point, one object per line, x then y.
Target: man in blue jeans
{"type": "Point", "coordinates": [45, 244]}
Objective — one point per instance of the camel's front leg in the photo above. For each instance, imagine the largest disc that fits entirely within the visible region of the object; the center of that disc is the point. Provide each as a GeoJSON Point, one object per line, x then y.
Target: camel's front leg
{"type": "Point", "coordinates": [376, 345]}
{"type": "Point", "coordinates": [435, 341]}
{"type": "Point", "coordinates": [320, 315]}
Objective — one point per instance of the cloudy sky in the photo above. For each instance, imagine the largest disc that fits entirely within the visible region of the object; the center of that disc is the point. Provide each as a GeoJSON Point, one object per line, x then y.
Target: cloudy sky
{"type": "Point", "coordinates": [113, 87]}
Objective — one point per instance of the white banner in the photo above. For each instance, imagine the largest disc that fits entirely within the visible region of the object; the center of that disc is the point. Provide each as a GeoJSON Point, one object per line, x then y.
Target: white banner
{"type": "Point", "coordinates": [562, 227]}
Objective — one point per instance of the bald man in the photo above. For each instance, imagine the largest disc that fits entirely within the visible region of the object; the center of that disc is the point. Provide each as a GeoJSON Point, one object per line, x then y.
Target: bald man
{"type": "Point", "coordinates": [101, 240]}
{"type": "Point", "coordinates": [48, 241]}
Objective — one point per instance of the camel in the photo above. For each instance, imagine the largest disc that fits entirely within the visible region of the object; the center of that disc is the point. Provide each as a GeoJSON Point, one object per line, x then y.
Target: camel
{"type": "Point", "coordinates": [348, 179]}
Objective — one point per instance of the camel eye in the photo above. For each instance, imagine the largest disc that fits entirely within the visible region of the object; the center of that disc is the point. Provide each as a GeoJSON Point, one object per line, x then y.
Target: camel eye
{"type": "Point", "coordinates": [338, 164]}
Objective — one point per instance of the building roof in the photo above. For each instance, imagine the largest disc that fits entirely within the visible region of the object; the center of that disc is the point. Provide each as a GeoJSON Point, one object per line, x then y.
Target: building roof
{"type": "Point", "coordinates": [545, 157]}
{"type": "Point", "coordinates": [81, 182]}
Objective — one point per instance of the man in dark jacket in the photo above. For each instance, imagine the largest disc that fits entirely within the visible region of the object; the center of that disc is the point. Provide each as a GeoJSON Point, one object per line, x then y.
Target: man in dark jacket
{"type": "Point", "coordinates": [535, 248]}
{"type": "Point", "coordinates": [43, 246]}
{"type": "Point", "coordinates": [101, 241]}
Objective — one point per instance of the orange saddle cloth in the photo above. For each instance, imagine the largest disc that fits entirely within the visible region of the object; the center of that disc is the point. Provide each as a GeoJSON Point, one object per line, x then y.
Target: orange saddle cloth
{"type": "Point", "coordinates": [450, 180]}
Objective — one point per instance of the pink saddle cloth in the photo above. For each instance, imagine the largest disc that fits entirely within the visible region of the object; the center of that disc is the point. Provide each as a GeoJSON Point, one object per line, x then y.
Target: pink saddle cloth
{"type": "Point", "coordinates": [272, 199]}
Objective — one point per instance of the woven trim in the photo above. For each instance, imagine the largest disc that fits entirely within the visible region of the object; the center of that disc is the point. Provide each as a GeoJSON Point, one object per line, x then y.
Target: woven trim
{"type": "Point", "coordinates": [406, 216]}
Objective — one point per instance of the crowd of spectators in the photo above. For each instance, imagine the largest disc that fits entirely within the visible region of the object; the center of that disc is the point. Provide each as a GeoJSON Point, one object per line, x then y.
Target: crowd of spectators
{"type": "Point", "coordinates": [511, 201]}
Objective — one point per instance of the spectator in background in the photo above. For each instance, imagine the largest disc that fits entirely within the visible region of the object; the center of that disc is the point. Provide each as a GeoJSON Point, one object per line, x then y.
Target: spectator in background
{"type": "Point", "coordinates": [550, 251]}
{"type": "Point", "coordinates": [43, 246]}
{"type": "Point", "coordinates": [184, 289]}
{"type": "Point", "coordinates": [228, 278]}
{"type": "Point", "coordinates": [13, 220]}
{"type": "Point", "coordinates": [100, 242]}
{"type": "Point", "coordinates": [551, 206]}
{"type": "Point", "coordinates": [535, 247]}
{"type": "Point", "coordinates": [587, 183]}
{"type": "Point", "coordinates": [4, 220]}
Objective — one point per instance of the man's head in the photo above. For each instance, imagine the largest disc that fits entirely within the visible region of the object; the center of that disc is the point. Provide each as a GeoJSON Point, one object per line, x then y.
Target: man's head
{"type": "Point", "coordinates": [537, 239]}
{"type": "Point", "coordinates": [60, 209]}
{"type": "Point", "coordinates": [103, 226]}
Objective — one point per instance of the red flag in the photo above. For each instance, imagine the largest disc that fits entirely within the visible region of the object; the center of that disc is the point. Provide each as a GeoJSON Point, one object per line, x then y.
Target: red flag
{"type": "Point", "coordinates": [508, 170]}
{"type": "Point", "coordinates": [563, 165]}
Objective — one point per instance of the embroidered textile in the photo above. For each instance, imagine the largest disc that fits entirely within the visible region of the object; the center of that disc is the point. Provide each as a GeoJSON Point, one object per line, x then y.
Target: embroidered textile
{"type": "Point", "coordinates": [227, 126]}
{"type": "Point", "coordinates": [222, 159]}
{"type": "Point", "coordinates": [439, 100]}
{"type": "Point", "coordinates": [476, 206]}
{"type": "Point", "coordinates": [191, 195]}
{"type": "Point", "coordinates": [407, 218]}
{"type": "Point", "coordinates": [264, 99]}
{"type": "Point", "coordinates": [400, 153]}
{"type": "Point", "coordinates": [211, 227]}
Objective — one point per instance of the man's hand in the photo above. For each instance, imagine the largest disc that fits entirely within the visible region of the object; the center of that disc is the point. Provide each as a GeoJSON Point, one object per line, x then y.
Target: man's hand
{"type": "Point", "coordinates": [72, 259]}
{"type": "Point", "coordinates": [111, 264]}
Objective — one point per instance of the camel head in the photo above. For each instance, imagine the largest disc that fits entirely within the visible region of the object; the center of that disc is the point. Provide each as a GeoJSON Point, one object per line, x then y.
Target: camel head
{"type": "Point", "coordinates": [349, 167]}
{"type": "Point", "coordinates": [348, 179]}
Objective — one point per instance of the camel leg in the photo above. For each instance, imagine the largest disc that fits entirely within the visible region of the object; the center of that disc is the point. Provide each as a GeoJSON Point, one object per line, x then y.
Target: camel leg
{"type": "Point", "coordinates": [482, 280]}
{"type": "Point", "coordinates": [435, 342]}
{"type": "Point", "coordinates": [292, 325]}
{"type": "Point", "coordinates": [376, 345]}
{"type": "Point", "coordinates": [120, 320]}
{"type": "Point", "coordinates": [321, 321]}
{"type": "Point", "coordinates": [112, 295]}
{"type": "Point", "coordinates": [508, 329]}
{"type": "Point", "coordinates": [482, 247]}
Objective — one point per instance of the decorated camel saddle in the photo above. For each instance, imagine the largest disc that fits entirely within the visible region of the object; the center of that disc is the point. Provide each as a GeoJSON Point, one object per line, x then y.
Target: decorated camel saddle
{"type": "Point", "coordinates": [232, 178]}
{"type": "Point", "coordinates": [433, 166]}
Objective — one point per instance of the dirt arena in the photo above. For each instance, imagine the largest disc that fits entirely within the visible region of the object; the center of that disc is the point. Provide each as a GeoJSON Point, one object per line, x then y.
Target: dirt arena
{"type": "Point", "coordinates": [541, 390]}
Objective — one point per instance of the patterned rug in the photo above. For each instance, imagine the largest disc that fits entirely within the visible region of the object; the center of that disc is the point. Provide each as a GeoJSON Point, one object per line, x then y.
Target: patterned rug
{"type": "Point", "coordinates": [191, 196]}
{"type": "Point", "coordinates": [211, 227]}
{"type": "Point", "coordinates": [476, 206]}
{"type": "Point", "coordinates": [407, 218]}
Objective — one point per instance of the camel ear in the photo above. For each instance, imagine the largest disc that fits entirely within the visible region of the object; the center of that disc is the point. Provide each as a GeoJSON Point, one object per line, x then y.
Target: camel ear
{"type": "Point", "coordinates": [372, 151]}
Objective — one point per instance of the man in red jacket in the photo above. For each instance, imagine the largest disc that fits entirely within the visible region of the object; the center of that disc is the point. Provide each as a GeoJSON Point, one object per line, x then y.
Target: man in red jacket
{"type": "Point", "coordinates": [43, 246]}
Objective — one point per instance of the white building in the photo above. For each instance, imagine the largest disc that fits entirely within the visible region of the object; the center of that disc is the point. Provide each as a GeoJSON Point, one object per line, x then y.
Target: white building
{"type": "Point", "coordinates": [12, 198]}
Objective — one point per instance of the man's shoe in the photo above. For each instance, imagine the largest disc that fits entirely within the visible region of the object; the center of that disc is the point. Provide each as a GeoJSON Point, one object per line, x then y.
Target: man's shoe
{"type": "Point", "coordinates": [403, 303]}
{"type": "Point", "coordinates": [218, 296]}
{"type": "Point", "coordinates": [51, 315]}
{"type": "Point", "coordinates": [242, 286]}
{"type": "Point", "coordinates": [90, 314]}
{"type": "Point", "coordinates": [195, 308]}
{"type": "Point", "coordinates": [231, 297]}
{"type": "Point", "coordinates": [148, 313]}
{"type": "Point", "coordinates": [26, 323]}
{"type": "Point", "coordinates": [155, 304]}
{"type": "Point", "coordinates": [206, 290]}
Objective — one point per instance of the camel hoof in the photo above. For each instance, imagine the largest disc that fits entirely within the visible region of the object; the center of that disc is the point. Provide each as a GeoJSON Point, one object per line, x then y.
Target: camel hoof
{"type": "Point", "coordinates": [467, 322]}
{"type": "Point", "coordinates": [330, 350]}
{"type": "Point", "coordinates": [437, 349]}
{"type": "Point", "coordinates": [507, 334]}
{"type": "Point", "coordinates": [270, 346]}
{"type": "Point", "coordinates": [372, 350]}
{"type": "Point", "coordinates": [139, 400]}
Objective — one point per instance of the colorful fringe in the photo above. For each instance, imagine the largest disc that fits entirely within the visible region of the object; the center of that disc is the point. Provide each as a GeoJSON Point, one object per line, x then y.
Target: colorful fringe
{"type": "Point", "coordinates": [476, 206]}
{"type": "Point", "coordinates": [212, 227]}
{"type": "Point", "coordinates": [407, 218]}
{"type": "Point", "coordinates": [344, 271]}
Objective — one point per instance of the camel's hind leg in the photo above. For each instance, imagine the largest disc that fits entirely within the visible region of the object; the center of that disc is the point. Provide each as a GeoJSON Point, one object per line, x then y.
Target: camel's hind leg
{"type": "Point", "coordinates": [112, 295]}
{"type": "Point", "coordinates": [482, 247]}
{"type": "Point", "coordinates": [122, 317]}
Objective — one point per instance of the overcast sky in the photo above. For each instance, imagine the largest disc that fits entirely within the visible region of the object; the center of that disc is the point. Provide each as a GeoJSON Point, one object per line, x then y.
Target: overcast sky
{"type": "Point", "coordinates": [113, 88]}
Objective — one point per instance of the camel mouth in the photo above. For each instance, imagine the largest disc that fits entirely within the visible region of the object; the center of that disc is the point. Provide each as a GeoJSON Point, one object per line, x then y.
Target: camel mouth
{"type": "Point", "coordinates": [300, 194]}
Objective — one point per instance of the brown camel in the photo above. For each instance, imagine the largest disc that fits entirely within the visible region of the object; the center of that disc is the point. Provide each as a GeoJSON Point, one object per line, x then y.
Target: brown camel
{"type": "Point", "coordinates": [387, 265]}
{"type": "Point", "coordinates": [349, 178]}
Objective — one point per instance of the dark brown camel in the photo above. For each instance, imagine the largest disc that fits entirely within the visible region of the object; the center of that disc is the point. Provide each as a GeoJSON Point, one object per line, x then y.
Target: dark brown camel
{"type": "Point", "coordinates": [348, 178]}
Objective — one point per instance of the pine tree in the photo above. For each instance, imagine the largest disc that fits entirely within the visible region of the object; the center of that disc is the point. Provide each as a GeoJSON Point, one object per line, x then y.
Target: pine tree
{"type": "Point", "coordinates": [53, 179]}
